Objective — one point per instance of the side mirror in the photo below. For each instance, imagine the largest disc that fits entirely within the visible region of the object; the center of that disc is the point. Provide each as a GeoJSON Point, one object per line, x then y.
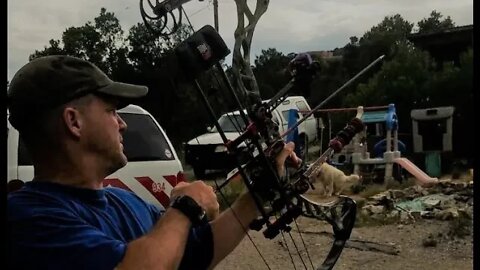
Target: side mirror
{"type": "Point", "coordinates": [210, 129]}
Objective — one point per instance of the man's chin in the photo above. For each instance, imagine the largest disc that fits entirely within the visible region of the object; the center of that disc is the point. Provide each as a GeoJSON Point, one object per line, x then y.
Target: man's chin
{"type": "Point", "coordinates": [121, 162]}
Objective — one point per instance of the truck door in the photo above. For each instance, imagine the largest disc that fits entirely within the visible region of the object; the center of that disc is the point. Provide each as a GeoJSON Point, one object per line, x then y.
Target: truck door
{"type": "Point", "coordinates": [310, 125]}
{"type": "Point", "coordinates": [277, 118]}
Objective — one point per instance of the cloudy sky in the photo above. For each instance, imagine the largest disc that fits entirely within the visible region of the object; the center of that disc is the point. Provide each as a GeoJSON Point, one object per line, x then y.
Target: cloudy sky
{"type": "Point", "coordinates": [288, 25]}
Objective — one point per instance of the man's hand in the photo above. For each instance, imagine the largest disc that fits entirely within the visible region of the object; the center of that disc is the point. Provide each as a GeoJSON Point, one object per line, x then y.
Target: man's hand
{"type": "Point", "coordinates": [287, 153]}
{"type": "Point", "coordinates": [202, 193]}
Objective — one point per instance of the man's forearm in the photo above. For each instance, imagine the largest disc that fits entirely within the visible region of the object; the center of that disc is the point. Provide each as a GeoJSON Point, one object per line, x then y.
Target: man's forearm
{"type": "Point", "coordinates": [227, 231]}
{"type": "Point", "coordinates": [161, 248]}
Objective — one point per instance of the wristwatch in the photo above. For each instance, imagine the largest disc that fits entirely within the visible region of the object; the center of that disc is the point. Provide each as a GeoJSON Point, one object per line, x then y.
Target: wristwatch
{"type": "Point", "coordinates": [190, 208]}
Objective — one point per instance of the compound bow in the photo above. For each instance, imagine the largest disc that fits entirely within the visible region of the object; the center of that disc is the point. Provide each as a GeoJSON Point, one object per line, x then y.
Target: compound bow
{"type": "Point", "coordinates": [279, 198]}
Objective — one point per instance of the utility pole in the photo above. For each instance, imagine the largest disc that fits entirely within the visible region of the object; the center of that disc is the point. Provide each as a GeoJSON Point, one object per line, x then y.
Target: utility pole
{"type": "Point", "coordinates": [215, 14]}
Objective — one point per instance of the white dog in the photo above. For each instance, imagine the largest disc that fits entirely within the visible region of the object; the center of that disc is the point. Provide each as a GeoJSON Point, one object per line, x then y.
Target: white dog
{"type": "Point", "coordinates": [328, 180]}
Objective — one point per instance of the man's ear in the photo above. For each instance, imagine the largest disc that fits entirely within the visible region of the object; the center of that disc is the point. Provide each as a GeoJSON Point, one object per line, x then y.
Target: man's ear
{"type": "Point", "coordinates": [73, 121]}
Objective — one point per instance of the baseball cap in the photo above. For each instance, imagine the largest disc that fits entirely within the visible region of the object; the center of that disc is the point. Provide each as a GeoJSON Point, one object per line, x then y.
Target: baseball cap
{"type": "Point", "coordinates": [50, 81]}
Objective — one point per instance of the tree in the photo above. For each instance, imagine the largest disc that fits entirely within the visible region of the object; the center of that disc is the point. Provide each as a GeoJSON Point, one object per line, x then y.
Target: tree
{"type": "Point", "coordinates": [380, 39]}
{"type": "Point", "coordinates": [53, 49]}
{"type": "Point", "coordinates": [354, 40]}
{"type": "Point", "coordinates": [137, 58]}
{"type": "Point", "coordinates": [101, 43]}
{"type": "Point", "coordinates": [453, 86]}
{"type": "Point", "coordinates": [434, 23]}
{"type": "Point", "coordinates": [400, 81]}
{"type": "Point", "coordinates": [270, 71]}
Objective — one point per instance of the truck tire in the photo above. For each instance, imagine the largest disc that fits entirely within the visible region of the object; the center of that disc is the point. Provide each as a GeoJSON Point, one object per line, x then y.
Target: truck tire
{"type": "Point", "coordinates": [199, 172]}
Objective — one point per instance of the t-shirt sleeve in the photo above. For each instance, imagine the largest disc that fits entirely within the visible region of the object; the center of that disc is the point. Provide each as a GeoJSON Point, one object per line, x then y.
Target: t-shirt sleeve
{"type": "Point", "coordinates": [155, 211]}
{"type": "Point", "coordinates": [199, 250]}
{"type": "Point", "coordinates": [59, 236]}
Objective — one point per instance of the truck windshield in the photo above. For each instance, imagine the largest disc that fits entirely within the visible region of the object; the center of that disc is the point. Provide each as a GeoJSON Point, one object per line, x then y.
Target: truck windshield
{"type": "Point", "coordinates": [231, 123]}
{"type": "Point", "coordinates": [142, 141]}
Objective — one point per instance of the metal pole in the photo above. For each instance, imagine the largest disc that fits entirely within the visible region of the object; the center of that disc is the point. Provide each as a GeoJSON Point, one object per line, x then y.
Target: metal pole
{"type": "Point", "coordinates": [215, 14]}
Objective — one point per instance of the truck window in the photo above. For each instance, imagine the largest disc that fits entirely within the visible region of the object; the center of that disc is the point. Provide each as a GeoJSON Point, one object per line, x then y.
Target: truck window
{"type": "Point", "coordinates": [231, 123]}
{"type": "Point", "coordinates": [143, 140]}
{"type": "Point", "coordinates": [285, 115]}
{"type": "Point", "coordinates": [302, 106]}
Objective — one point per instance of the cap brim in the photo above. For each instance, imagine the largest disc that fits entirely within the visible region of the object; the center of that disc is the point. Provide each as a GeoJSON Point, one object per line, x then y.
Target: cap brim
{"type": "Point", "coordinates": [124, 90]}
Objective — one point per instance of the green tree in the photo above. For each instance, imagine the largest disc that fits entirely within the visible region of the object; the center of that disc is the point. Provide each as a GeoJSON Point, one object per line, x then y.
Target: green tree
{"type": "Point", "coordinates": [453, 86]}
{"type": "Point", "coordinates": [55, 48]}
{"type": "Point", "coordinates": [112, 43]}
{"type": "Point", "coordinates": [400, 81]}
{"type": "Point", "coordinates": [101, 43]}
{"type": "Point", "coordinates": [140, 58]}
{"type": "Point", "coordinates": [380, 39]}
{"type": "Point", "coordinates": [173, 99]}
{"type": "Point", "coordinates": [434, 23]}
{"type": "Point", "coordinates": [270, 71]}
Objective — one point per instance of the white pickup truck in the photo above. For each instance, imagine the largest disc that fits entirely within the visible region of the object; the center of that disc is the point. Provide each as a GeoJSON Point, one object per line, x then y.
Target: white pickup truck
{"type": "Point", "coordinates": [153, 167]}
{"type": "Point", "coordinates": [207, 151]}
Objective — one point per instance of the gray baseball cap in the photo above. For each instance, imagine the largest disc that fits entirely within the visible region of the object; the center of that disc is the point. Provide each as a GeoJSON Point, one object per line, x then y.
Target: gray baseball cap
{"type": "Point", "coordinates": [50, 81]}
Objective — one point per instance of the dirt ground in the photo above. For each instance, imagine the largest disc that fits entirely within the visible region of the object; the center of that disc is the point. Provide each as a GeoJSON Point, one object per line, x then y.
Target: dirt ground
{"type": "Point", "coordinates": [424, 244]}
{"type": "Point", "coordinates": [382, 242]}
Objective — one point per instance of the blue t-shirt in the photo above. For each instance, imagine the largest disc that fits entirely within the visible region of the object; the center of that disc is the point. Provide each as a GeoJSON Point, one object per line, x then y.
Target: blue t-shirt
{"type": "Point", "coordinates": [52, 226]}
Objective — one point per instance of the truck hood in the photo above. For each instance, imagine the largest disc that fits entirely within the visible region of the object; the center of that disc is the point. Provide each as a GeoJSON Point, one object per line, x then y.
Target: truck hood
{"type": "Point", "coordinates": [212, 138]}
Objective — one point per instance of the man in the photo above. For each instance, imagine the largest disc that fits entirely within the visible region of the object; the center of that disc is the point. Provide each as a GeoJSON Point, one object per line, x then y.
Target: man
{"type": "Point", "coordinates": [65, 109]}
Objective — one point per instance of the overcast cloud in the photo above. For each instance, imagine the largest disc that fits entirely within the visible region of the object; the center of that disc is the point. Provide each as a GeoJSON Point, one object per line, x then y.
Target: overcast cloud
{"type": "Point", "coordinates": [288, 25]}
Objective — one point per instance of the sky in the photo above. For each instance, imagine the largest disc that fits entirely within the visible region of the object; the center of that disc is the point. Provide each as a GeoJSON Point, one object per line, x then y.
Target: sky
{"type": "Point", "coordinates": [288, 25]}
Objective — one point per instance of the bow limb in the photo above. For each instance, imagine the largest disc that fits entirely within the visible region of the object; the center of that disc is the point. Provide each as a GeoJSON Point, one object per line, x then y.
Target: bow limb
{"type": "Point", "coordinates": [340, 214]}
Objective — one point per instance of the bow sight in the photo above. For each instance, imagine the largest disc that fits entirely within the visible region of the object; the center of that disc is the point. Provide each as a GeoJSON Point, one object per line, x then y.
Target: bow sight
{"type": "Point", "coordinates": [277, 198]}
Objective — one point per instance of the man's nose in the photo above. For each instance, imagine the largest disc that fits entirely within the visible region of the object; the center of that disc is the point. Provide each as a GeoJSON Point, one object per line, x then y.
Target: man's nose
{"type": "Point", "coordinates": [122, 125]}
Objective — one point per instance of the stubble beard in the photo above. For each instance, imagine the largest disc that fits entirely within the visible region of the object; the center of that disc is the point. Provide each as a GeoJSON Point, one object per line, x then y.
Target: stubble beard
{"type": "Point", "coordinates": [113, 157]}
{"type": "Point", "coordinates": [117, 162]}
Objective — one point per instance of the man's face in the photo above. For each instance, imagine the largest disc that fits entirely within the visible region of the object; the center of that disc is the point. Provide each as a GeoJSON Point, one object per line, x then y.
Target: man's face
{"type": "Point", "coordinates": [102, 133]}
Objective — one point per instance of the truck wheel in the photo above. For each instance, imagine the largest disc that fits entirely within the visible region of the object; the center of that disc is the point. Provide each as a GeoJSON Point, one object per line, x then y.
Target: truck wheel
{"type": "Point", "coordinates": [199, 172]}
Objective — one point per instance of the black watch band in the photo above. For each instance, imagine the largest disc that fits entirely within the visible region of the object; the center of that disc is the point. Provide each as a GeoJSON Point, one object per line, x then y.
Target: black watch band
{"type": "Point", "coordinates": [190, 208]}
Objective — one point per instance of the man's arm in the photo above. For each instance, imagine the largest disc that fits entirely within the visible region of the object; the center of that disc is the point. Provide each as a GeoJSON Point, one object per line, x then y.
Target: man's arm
{"type": "Point", "coordinates": [226, 229]}
{"type": "Point", "coordinates": [163, 247]}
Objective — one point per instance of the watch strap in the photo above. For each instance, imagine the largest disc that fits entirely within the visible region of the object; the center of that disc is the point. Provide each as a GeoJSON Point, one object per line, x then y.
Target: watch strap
{"type": "Point", "coordinates": [190, 208]}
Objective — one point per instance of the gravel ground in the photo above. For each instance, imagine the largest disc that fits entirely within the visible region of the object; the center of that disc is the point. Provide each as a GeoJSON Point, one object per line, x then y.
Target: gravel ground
{"type": "Point", "coordinates": [407, 241]}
